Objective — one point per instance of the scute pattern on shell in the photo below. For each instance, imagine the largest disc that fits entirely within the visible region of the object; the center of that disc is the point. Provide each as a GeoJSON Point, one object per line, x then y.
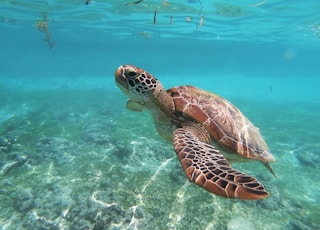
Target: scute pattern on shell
{"type": "Point", "coordinates": [225, 123]}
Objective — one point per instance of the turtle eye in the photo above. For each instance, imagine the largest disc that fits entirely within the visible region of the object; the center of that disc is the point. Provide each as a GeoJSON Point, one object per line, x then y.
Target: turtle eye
{"type": "Point", "coordinates": [132, 74]}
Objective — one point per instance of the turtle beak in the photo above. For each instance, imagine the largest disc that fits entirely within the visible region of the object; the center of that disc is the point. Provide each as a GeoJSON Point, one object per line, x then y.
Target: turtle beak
{"type": "Point", "coordinates": [120, 78]}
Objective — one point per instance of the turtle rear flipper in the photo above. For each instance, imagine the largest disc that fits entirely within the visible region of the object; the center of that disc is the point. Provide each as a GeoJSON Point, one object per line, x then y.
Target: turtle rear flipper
{"type": "Point", "coordinates": [207, 167]}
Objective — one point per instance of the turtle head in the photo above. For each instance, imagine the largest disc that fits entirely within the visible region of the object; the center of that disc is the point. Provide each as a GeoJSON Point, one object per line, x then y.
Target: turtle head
{"type": "Point", "coordinates": [136, 83]}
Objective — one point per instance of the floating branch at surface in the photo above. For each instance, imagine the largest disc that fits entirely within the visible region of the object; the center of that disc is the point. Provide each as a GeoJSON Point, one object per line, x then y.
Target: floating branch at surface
{"type": "Point", "coordinates": [155, 16]}
{"type": "Point", "coordinates": [43, 26]}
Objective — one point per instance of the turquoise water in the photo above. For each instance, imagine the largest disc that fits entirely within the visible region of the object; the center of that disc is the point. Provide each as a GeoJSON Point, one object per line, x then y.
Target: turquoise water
{"type": "Point", "coordinates": [72, 156]}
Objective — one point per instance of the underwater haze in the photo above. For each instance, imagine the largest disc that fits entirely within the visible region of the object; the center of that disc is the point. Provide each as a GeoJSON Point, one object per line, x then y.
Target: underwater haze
{"type": "Point", "coordinates": [73, 157]}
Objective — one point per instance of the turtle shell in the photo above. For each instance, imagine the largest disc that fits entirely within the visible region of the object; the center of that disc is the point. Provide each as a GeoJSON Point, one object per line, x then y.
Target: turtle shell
{"type": "Point", "coordinates": [224, 122]}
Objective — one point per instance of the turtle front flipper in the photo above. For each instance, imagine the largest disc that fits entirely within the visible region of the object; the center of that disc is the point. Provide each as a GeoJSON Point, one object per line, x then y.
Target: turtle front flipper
{"type": "Point", "coordinates": [207, 167]}
{"type": "Point", "coordinates": [134, 106]}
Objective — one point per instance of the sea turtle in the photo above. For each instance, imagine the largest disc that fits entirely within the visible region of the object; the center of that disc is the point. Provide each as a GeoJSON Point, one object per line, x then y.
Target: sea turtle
{"type": "Point", "coordinates": [200, 125]}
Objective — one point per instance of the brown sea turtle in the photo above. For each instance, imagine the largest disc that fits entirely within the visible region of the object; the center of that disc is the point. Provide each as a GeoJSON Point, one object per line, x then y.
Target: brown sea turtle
{"type": "Point", "coordinates": [200, 125]}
